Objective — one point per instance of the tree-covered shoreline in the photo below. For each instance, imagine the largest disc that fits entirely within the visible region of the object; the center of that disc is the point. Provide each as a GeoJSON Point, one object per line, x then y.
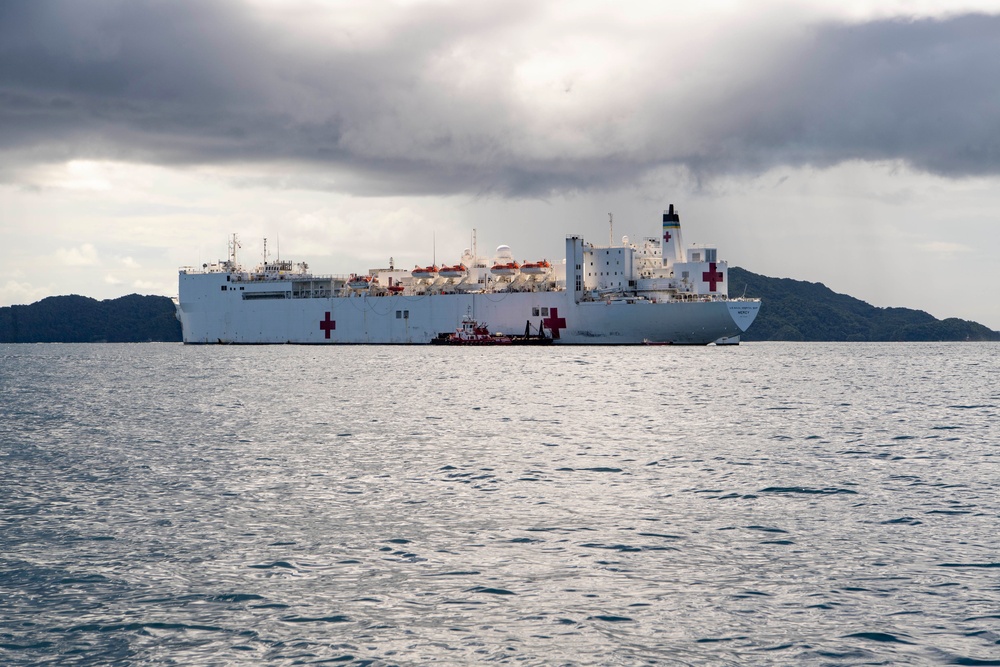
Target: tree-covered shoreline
{"type": "Point", "coordinates": [792, 310]}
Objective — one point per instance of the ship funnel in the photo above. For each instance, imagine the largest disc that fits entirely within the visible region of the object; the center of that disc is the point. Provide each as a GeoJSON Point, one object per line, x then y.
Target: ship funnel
{"type": "Point", "coordinates": [673, 247]}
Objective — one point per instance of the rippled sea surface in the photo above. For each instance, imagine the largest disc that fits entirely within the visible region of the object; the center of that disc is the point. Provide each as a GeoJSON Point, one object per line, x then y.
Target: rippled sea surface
{"type": "Point", "coordinates": [761, 504]}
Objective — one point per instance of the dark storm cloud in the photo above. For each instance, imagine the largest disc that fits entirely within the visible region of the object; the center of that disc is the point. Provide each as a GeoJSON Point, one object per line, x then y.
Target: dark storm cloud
{"type": "Point", "coordinates": [925, 92]}
{"type": "Point", "coordinates": [418, 104]}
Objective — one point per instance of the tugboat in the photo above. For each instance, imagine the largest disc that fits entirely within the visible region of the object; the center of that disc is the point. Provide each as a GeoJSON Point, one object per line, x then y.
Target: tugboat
{"type": "Point", "coordinates": [472, 332]}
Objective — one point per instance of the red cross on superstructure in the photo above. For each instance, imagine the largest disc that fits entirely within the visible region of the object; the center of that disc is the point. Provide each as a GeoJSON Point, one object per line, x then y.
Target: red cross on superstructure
{"type": "Point", "coordinates": [554, 323]}
{"type": "Point", "coordinates": [327, 325]}
{"type": "Point", "coordinates": [712, 277]}
{"type": "Point", "coordinates": [666, 237]}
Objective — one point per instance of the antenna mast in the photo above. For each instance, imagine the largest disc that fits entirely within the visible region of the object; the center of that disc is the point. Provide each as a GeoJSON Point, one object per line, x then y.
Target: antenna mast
{"type": "Point", "coordinates": [611, 232]}
{"type": "Point", "coordinates": [265, 250]}
{"type": "Point", "coordinates": [234, 244]}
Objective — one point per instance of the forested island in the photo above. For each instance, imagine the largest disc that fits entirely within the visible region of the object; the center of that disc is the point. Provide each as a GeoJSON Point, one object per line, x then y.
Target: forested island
{"type": "Point", "coordinates": [796, 310]}
{"type": "Point", "coordinates": [80, 319]}
{"type": "Point", "coordinates": [792, 310]}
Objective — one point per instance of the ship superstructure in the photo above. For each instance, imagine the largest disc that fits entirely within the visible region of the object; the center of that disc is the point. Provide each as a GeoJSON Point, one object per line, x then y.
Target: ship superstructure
{"type": "Point", "coordinates": [657, 290]}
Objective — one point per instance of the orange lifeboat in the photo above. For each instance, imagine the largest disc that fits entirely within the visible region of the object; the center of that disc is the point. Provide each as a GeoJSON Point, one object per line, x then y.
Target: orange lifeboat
{"type": "Point", "coordinates": [456, 271]}
{"type": "Point", "coordinates": [425, 273]}
{"type": "Point", "coordinates": [359, 282]}
{"type": "Point", "coordinates": [536, 268]}
{"type": "Point", "coordinates": [508, 269]}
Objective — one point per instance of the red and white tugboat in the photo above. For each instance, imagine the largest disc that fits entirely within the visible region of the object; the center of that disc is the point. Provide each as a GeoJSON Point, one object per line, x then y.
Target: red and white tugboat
{"type": "Point", "coordinates": [472, 332]}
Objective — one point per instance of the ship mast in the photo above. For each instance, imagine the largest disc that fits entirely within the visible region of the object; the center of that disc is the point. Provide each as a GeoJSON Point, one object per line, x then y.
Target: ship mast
{"type": "Point", "coordinates": [611, 231]}
{"type": "Point", "coordinates": [234, 244]}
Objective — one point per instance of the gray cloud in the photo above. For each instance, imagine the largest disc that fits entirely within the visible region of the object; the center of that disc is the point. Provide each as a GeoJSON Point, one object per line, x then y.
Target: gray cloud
{"type": "Point", "coordinates": [429, 100]}
{"type": "Point", "coordinates": [926, 92]}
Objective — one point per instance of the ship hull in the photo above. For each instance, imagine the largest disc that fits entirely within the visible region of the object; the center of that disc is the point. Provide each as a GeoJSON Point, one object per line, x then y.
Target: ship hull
{"type": "Point", "coordinates": [223, 317]}
{"type": "Point", "coordinates": [659, 291]}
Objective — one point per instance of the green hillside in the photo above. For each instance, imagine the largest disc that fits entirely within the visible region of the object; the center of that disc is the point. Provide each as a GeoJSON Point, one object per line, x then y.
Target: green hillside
{"type": "Point", "coordinates": [792, 310]}
{"type": "Point", "coordinates": [80, 319]}
{"type": "Point", "coordinates": [799, 310]}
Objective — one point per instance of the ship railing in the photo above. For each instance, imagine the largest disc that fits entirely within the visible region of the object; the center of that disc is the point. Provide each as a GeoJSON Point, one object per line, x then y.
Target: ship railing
{"type": "Point", "coordinates": [656, 296]}
{"type": "Point", "coordinates": [282, 277]}
{"type": "Point", "coordinates": [196, 270]}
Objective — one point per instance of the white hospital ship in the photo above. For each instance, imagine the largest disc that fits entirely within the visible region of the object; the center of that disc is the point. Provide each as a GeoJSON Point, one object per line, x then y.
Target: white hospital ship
{"type": "Point", "coordinates": [656, 291]}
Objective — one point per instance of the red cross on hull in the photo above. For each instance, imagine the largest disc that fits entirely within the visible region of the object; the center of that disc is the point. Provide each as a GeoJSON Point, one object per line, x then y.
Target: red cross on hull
{"type": "Point", "coordinates": [327, 325]}
{"type": "Point", "coordinates": [554, 323]}
{"type": "Point", "coordinates": [712, 277]}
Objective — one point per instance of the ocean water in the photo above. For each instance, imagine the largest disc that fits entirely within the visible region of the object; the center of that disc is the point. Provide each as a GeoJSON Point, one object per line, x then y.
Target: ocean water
{"type": "Point", "coordinates": [767, 504]}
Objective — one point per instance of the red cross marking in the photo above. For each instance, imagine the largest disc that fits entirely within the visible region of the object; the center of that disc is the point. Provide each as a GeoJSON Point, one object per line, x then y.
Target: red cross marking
{"type": "Point", "coordinates": [666, 236]}
{"type": "Point", "coordinates": [712, 277]}
{"type": "Point", "coordinates": [327, 325]}
{"type": "Point", "coordinates": [554, 323]}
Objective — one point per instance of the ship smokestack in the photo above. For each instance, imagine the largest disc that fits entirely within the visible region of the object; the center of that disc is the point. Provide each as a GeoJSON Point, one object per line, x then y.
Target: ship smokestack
{"type": "Point", "coordinates": [673, 247]}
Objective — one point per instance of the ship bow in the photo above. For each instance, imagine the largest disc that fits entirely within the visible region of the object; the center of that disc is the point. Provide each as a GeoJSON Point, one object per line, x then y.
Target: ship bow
{"type": "Point", "coordinates": [744, 313]}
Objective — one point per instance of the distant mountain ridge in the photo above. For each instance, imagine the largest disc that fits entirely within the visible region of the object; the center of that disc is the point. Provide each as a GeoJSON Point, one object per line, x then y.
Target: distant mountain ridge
{"type": "Point", "coordinates": [792, 310]}
{"type": "Point", "coordinates": [796, 310]}
{"type": "Point", "coordinates": [80, 319]}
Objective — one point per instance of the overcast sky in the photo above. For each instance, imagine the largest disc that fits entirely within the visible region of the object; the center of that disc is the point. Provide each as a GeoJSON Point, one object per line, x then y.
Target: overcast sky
{"type": "Point", "coordinates": [822, 141]}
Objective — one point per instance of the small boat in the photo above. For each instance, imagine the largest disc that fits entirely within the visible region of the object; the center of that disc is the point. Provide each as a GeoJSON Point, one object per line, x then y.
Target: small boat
{"type": "Point", "coordinates": [472, 332]}
{"type": "Point", "coordinates": [646, 341]}
{"type": "Point", "coordinates": [475, 333]}
{"type": "Point", "coordinates": [536, 268]}
{"type": "Point", "coordinates": [424, 273]}
{"type": "Point", "coordinates": [456, 271]}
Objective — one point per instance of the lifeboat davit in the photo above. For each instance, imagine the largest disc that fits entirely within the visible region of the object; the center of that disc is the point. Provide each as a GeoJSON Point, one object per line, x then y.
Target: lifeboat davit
{"type": "Point", "coordinates": [456, 271]}
{"type": "Point", "coordinates": [359, 282]}
{"type": "Point", "coordinates": [425, 273]}
{"type": "Point", "coordinates": [508, 269]}
{"type": "Point", "coordinates": [536, 268]}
